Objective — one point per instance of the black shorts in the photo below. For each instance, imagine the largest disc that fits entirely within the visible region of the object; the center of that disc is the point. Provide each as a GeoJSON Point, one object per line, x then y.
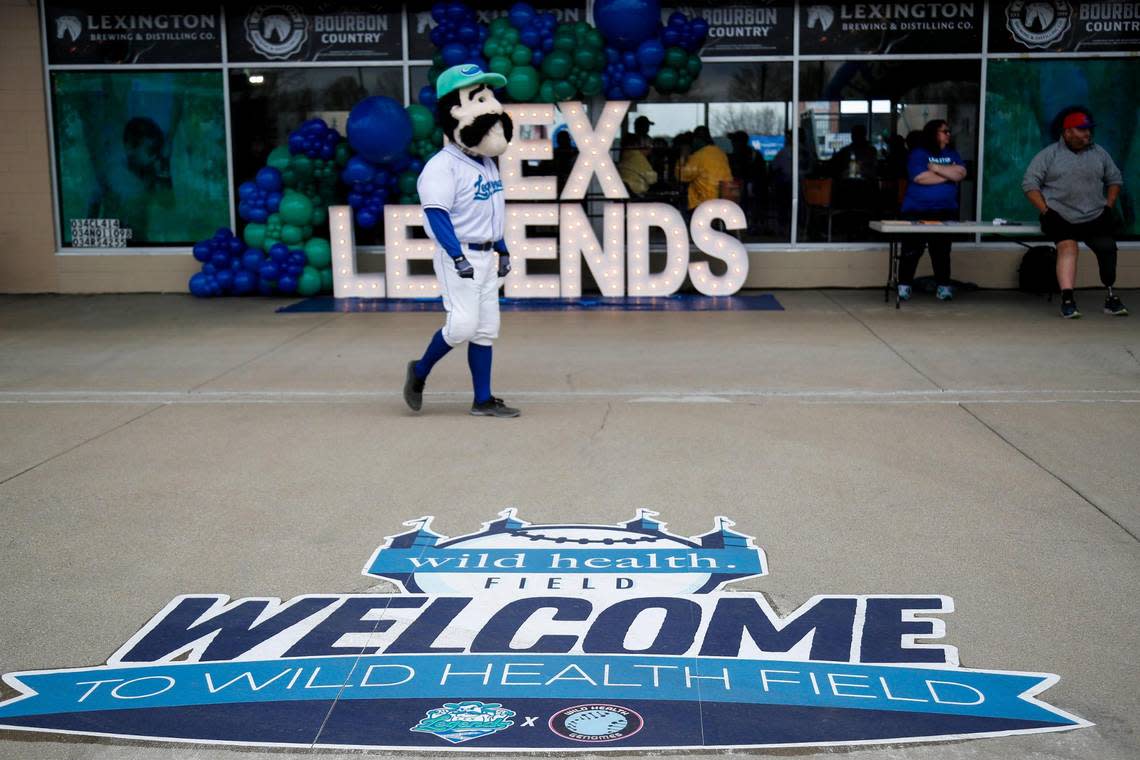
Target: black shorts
{"type": "Point", "coordinates": [1054, 227]}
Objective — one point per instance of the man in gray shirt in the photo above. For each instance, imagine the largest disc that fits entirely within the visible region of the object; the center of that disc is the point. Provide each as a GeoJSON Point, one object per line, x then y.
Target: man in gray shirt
{"type": "Point", "coordinates": [1074, 184]}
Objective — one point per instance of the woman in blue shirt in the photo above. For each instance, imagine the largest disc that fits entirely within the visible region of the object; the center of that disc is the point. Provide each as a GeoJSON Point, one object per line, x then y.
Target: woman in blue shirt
{"type": "Point", "coordinates": [934, 170]}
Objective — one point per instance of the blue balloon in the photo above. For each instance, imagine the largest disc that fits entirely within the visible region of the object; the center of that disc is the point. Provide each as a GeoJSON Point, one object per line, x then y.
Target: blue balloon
{"type": "Point", "coordinates": [243, 282]}
{"type": "Point", "coordinates": [379, 129]}
{"type": "Point", "coordinates": [427, 96]}
{"type": "Point", "coordinates": [273, 201]}
{"type": "Point", "coordinates": [456, 11]}
{"type": "Point", "coordinates": [258, 214]}
{"type": "Point", "coordinates": [297, 258]}
{"type": "Point", "coordinates": [225, 279]}
{"type": "Point", "coordinates": [650, 53]}
{"type": "Point", "coordinates": [297, 143]}
{"type": "Point", "coordinates": [634, 85]}
{"type": "Point", "coordinates": [268, 271]}
{"type": "Point", "coordinates": [287, 284]}
{"type": "Point", "coordinates": [415, 165]}
{"type": "Point", "coordinates": [439, 11]}
{"type": "Point", "coordinates": [203, 251]}
{"type": "Point", "coordinates": [247, 190]}
{"type": "Point", "coordinates": [357, 170]}
{"type": "Point", "coordinates": [625, 24]}
{"type": "Point", "coordinates": [199, 285]}
{"type": "Point", "coordinates": [220, 260]}
{"type": "Point", "coordinates": [530, 37]}
{"type": "Point", "coordinates": [269, 179]}
{"type": "Point", "coordinates": [454, 53]}
{"type": "Point", "coordinates": [438, 36]}
{"type": "Point", "coordinates": [671, 37]}
{"type": "Point", "coordinates": [700, 28]}
{"type": "Point", "coordinates": [252, 259]}
{"type": "Point", "coordinates": [265, 287]}
{"type": "Point", "coordinates": [521, 14]}
{"type": "Point", "coordinates": [209, 269]}
{"type": "Point", "coordinates": [678, 20]}
{"type": "Point", "coordinates": [536, 57]}
{"type": "Point", "coordinates": [355, 199]}
{"type": "Point", "coordinates": [468, 32]}
{"type": "Point", "coordinates": [278, 253]}
{"type": "Point", "coordinates": [629, 59]}
{"type": "Point", "coordinates": [367, 219]}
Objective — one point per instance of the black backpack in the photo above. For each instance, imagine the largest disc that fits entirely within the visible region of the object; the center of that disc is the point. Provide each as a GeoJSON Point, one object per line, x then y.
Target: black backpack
{"type": "Point", "coordinates": [1038, 271]}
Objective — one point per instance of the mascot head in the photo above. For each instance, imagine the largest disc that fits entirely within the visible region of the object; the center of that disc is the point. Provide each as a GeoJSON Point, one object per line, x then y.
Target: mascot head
{"type": "Point", "coordinates": [468, 111]}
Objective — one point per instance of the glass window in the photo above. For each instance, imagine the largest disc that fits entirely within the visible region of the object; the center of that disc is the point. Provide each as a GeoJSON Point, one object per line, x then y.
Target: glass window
{"type": "Point", "coordinates": [858, 120]}
{"type": "Point", "coordinates": [141, 157]}
{"type": "Point", "coordinates": [1023, 100]}
{"type": "Point", "coordinates": [746, 109]}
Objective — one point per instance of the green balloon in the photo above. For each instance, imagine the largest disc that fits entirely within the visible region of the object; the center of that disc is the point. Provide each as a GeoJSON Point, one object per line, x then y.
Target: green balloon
{"type": "Point", "coordinates": [666, 80]}
{"type": "Point", "coordinates": [423, 122]}
{"type": "Point", "coordinates": [254, 235]}
{"type": "Point", "coordinates": [693, 66]}
{"type": "Point", "coordinates": [557, 65]}
{"type": "Point", "coordinates": [594, 39]}
{"type": "Point", "coordinates": [269, 243]}
{"type": "Point", "coordinates": [684, 82]}
{"type": "Point", "coordinates": [289, 177]}
{"type": "Point", "coordinates": [584, 58]}
{"type": "Point", "coordinates": [309, 283]}
{"type": "Point", "coordinates": [302, 166]}
{"type": "Point", "coordinates": [676, 57]}
{"type": "Point", "coordinates": [295, 208]}
{"type": "Point", "coordinates": [592, 85]}
{"type": "Point", "coordinates": [563, 90]}
{"type": "Point", "coordinates": [437, 136]}
{"type": "Point", "coordinates": [320, 216]}
{"type": "Point", "coordinates": [521, 55]}
{"type": "Point", "coordinates": [291, 234]}
{"type": "Point", "coordinates": [500, 25]}
{"type": "Point", "coordinates": [407, 182]}
{"type": "Point", "coordinates": [546, 92]}
{"type": "Point", "coordinates": [306, 232]}
{"type": "Point", "coordinates": [500, 65]}
{"type": "Point", "coordinates": [318, 252]}
{"type": "Point", "coordinates": [326, 280]}
{"type": "Point", "coordinates": [279, 157]}
{"type": "Point", "coordinates": [343, 153]}
{"type": "Point", "coordinates": [522, 84]}
{"type": "Point", "coordinates": [567, 43]}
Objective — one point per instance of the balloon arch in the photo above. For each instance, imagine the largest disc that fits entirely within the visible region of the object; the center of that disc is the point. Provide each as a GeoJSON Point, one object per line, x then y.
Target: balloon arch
{"type": "Point", "coordinates": [283, 246]}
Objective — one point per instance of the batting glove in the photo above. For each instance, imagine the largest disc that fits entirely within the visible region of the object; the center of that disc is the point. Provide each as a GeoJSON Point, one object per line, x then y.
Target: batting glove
{"type": "Point", "coordinates": [504, 264]}
{"type": "Point", "coordinates": [463, 267]}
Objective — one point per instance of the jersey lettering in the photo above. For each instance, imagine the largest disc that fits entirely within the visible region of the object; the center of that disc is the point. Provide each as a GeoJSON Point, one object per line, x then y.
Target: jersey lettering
{"type": "Point", "coordinates": [484, 189]}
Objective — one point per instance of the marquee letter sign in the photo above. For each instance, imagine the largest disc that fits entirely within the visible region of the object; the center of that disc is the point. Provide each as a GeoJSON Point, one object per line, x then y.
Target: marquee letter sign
{"type": "Point", "coordinates": [618, 258]}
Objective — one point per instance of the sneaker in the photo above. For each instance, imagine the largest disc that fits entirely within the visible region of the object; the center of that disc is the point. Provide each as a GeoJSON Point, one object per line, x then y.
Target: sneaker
{"type": "Point", "coordinates": [1069, 310]}
{"type": "Point", "coordinates": [904, 292]}
{"type": "Point", "coordinates": [494, 407]}
{"type": "Point", "coordinates": [1114, 307]}
{"type": "Point", "coordinates": [413, 388]}
{"type": "Point", "coordinates": [945, 293]}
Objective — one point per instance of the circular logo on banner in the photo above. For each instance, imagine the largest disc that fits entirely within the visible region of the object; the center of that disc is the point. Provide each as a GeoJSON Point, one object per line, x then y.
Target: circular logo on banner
{"type": "Point", "coordinates": [1038, 24]}
{"type": "Point", "coordinates": [276, 31]}
{"type": "Point", "coordinates": [596, 723]}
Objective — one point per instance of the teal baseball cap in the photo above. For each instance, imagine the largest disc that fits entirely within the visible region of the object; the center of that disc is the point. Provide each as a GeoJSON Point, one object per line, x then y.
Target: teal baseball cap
{"type": "Point", "coordinates": [466, 75]}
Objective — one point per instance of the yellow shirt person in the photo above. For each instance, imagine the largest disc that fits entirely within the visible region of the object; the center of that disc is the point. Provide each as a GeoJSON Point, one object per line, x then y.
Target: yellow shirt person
{"type": "Point", "coordinates": [635, 170]}
{"type": "Point", "coordinates": [704, 172]}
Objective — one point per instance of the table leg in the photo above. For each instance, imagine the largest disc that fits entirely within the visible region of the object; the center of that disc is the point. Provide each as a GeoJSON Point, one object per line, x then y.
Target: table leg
{"type": "Point", "coordinates": [896, 256]}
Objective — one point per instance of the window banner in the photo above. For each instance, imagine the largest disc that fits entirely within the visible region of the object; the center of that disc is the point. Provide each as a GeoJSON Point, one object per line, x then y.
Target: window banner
{"type": "Point", "coordinates": [760, 28]}
{"type": "Point", "coordinates": [141, 157]}
{"type": "Point", "coordinates": [421, 21]}
{"type": "Point", "coordinates": [95, 33]}
{"type": "Point", "coordinates": [260, 32]}
{"type": "Point", "coordinates": [865, 28]}
{"type": "Point", "coordinates": [1059, 26]}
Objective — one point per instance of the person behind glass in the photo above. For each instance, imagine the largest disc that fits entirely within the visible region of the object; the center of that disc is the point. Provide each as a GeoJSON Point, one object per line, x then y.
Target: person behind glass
{"type": "Point", "coordinates": [635, 170]}
{"type": "Point", "coordinates": [934, 170]}
{"type": "Point", "coordinates": [564, 157]}
{"type": "Point", "coordinates": [1074, 184]}
{"type": "Point", "coordinates": [705, 169]}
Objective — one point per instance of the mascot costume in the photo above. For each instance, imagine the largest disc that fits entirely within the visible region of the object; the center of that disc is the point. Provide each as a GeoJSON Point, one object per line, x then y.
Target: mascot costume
{"type": "Point", "coordinates": [462, 198]}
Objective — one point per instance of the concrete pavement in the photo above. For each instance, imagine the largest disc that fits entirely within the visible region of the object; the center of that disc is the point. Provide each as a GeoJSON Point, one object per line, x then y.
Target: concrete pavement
{"type": "Point", "coordinates": [982, 449]}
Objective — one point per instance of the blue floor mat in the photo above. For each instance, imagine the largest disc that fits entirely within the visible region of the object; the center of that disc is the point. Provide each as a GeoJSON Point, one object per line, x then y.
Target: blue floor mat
{"type": "Point", "coordinates": [679, 302]}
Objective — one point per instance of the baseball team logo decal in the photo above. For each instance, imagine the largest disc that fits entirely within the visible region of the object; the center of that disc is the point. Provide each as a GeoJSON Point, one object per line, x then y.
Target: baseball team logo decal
{"type": "Point", "coordinates": [596, 723]}
{"type": "Point", "coordinates": [528, 636]}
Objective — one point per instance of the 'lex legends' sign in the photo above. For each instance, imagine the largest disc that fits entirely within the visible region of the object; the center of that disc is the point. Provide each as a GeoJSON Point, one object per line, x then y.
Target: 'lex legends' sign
{"type": "Point", "coordinates": [618, 257]}
{"type": "Point", "coordinates": [541, 637]}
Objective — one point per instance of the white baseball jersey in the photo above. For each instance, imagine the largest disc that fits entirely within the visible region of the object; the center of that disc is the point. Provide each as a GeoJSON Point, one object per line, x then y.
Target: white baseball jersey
{"type": "Point", "coordinates": [469, 190]}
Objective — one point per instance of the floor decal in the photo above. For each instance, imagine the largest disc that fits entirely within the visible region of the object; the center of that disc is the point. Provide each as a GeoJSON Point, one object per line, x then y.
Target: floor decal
{"type": "Point", "coordinates": [542, 637]}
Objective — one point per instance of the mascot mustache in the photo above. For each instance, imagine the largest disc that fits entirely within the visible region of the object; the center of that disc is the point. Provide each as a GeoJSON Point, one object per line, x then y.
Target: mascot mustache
{"type": "Point", "coordinates": [473, 133]}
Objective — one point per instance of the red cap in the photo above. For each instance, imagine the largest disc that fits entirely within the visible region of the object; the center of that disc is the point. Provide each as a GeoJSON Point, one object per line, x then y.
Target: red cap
{"type": "Point", "coordinates": [1077, 121]}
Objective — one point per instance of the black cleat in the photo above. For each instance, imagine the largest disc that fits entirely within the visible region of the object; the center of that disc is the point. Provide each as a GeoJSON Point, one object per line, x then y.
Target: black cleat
{"type": "Point", "coordinates": [494, 407]}
{"type": "Point", "coordinates": [413, 388]}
